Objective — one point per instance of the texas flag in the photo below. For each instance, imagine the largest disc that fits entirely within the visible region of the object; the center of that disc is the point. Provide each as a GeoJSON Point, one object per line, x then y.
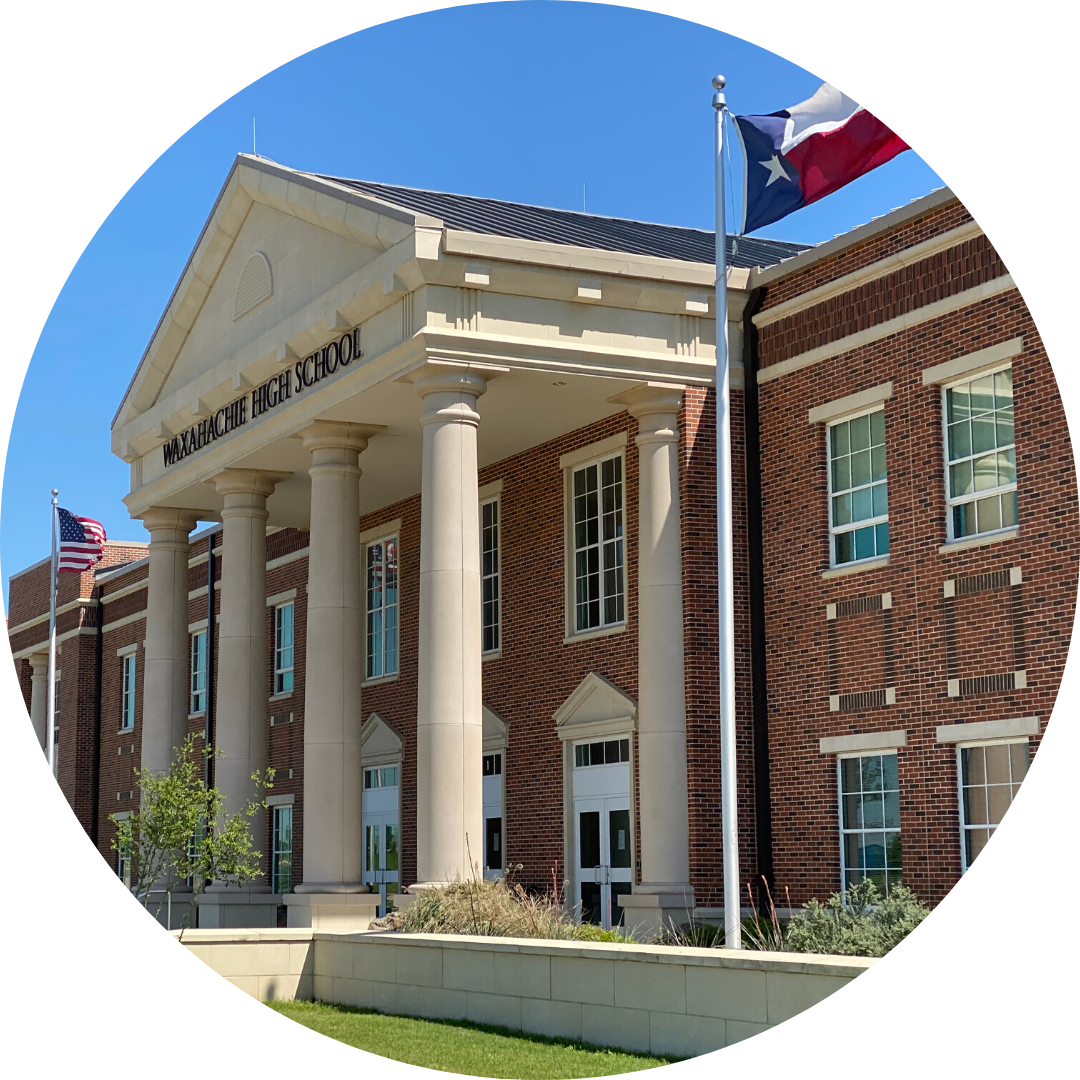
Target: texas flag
{"type": "Point", "coordinates": [799, 155]}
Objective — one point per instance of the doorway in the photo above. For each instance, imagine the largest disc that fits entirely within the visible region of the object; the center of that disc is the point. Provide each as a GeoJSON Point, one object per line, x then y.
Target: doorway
{"type": "Point", "coordinates": [381, 831]}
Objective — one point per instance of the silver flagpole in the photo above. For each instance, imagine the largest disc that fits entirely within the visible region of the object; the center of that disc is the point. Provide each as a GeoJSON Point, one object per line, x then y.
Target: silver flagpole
{"type": "Point", "coordinates": [729, 805]}
{"type": "Point", "coordinates": [50, 734]}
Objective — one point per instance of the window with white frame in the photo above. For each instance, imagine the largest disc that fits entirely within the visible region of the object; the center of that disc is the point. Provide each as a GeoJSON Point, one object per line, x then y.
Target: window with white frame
{"type": "Point", "coordinates": [387, 776]}
{"type": "Point", "coordinates": [127, 694]}
{"type": "Point", "coordinates": [283, 648]}
{"type": "Point", "coordinates": [123, 863]}
{"type": "Point", "coordinates": [870, 820]}
{"type": "Point", "coordinates": [598, 537]}
{"type": "Point", "coordinates": [282, 858]}
{"type": "Point", "coordinates": [858, 489]}
{"type": "Point", "coordinates": [382, 607]}
{"type": "Point", "coordinates": [490, 576]}
{"type": "Point", "coordinates": [990, 776]}
{"type": "Point", "coordinates": [197, 704]}
{"type": "Point", "coordinates": [981, 451]}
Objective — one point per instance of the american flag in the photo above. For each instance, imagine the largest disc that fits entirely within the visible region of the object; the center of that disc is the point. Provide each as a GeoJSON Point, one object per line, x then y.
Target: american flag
{"type": "Point", "coordinates": [82, 542]}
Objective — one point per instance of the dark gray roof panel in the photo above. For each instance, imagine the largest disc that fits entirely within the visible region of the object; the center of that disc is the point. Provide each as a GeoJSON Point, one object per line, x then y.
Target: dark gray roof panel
{"type": "Point", "coordinates": [497, 218]}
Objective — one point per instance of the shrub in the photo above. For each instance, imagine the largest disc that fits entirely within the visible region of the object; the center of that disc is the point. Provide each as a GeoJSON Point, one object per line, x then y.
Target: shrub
{"type": "Point", "coordinates": [859, 922]}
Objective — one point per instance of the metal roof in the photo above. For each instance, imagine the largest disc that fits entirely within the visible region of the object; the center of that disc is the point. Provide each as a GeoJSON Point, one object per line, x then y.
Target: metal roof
{"type": "Point", "coordinates": [498, 218]}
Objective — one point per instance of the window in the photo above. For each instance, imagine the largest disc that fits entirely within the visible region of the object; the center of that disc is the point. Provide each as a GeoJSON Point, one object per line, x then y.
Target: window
{"type": "Point", "coordinates": [493, 764]}
{"type": "Point", "coordinates": [382, 608]}
{"type": "Point", "coordinates": [601, 753]}
{"type": "Point", "coordinates": [870, 820]}
{"type": "Point", "coordinates": [123, 864]}
{"type": "Point", "coordinates": [283, 649]}
{"type": "Point", "coordinates": [989, 778]}
{"type": "Point", "coordinates": [282, 860]}
{"type": "Point", "coordinates": [599, 589]}
{"type": "Point", "coordinates": [198, 673]}
{"type": "Point", "coordinates": [490, 578]}
{"type": "Point", "coordinates": [378, 778]}
{"type": "Point", "coordinates": [127, 695]}
{"type": "Point", "coordinates": [858, 495]}
{"type": "Point", "coordinates": [981, 455]}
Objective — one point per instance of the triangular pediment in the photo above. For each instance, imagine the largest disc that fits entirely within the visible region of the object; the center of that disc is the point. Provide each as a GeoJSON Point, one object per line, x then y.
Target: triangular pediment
{"type": "Point", "coordinates": [594, 706]}
{"type": "Point", "coordinates": [317, 238]}
{"type": "Point", "coordinates": [380, 742]}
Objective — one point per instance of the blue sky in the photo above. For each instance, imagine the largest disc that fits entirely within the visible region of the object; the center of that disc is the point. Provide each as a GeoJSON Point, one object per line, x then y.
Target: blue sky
{"type": "Point", "coordinates": [526, 101]}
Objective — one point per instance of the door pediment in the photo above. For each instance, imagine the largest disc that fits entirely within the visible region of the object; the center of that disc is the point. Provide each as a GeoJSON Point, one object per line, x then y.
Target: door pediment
{"type": "Point", "coordinates": [380, 742]}
{"type": "Point", "coordinates": [595, 709]}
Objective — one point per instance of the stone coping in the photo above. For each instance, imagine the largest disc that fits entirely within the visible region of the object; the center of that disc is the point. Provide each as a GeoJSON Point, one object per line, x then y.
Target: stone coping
{"type": "Point", "coordinates": [801, 963]}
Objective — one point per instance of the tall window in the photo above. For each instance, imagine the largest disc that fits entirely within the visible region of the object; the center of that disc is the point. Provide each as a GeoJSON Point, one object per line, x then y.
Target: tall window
{"type": "Point", "coordinates": [490, 583]}
{"type": "Point", "coordinates": [989, 778]}
{"type": "Point", "coordinates": [382, 607]}
{"type": "Point", "coordinates": [858, 491]}
{"type": "Point", "coordinates": [127, 699]}
{"type": "Point", "coordinates": [982, 455]}
{"type": "Point", "coordinates": [198, 673]}
{"type": "Point", "coordinates": [870, 820]}
{"type": "Point", "coordinates": [599, 590]}
{"type": "Point", "coordinates": [282, 860]}
{"type": "Point", "coordinates": [283, 649]}
{"type": "Point", "coordinates": [123, 864]}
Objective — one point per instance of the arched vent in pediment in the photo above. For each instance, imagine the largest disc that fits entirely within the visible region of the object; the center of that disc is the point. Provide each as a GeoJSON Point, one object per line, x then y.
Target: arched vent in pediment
{"type": "Point", "coordinates": [255, 284]}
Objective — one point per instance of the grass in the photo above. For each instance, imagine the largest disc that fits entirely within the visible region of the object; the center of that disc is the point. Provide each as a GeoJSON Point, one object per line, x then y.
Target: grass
{"type": "Point", "coordinates": [462, 1047]}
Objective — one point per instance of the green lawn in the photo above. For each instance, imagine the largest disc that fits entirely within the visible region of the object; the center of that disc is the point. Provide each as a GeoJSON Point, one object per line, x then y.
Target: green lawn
{"type": "Point", "coordinates": [461, 1047]}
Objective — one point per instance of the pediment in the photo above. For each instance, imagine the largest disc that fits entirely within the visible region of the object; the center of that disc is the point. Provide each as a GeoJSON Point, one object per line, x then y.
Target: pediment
{"type": "Point", "coordinates": [380, 742]}
{"type": "Point", "coordinates": [312, 233]}
{"type": "Point", "coordinates": [595, 707]}
{"type": "Point", "coordinates": [496, 730]}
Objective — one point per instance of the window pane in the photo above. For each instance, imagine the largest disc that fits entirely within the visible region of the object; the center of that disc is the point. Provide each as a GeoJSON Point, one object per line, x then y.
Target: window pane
{"type": "Point", "coordinates": [983, 434]}
{"type": "Point", "coordinates": [850, 775]}
{"type": "Point", "coordinates": [959, 440]}
{"type": "Point", "coordinates": [982, 394]}
{"type": "Point", "coordinates": [589, 839]}
{"type": "Point", "coordinates": [845, 547]}
{"type": "Point", "coordinates": [864, 543]}
{"type": "Point", "coordinates": [889, 773]}
{"type": "Point", "coordinates": [861, 504]}
{"type": "Point", "coordinates": [877, 428]}
{"type": "Point", "coordinates": [988, 513]}
{"type": "Point", "coordinates": [881, 533]}
{"type": "Point", "coordinates": [841, 477]}
{"type": "Point", "coordinates": [1008, 509]}
{"type": "Point", "coordinates": [871, 773]}
{"type": "Point", "coordinates": [391, 847]}
{"type": "Point", "coordinates": [957, 403]}
{"type": "Point", "coordinates": [1019, 754]}
{"type": "Point", "coordinates": [859, 433]}
{"type": "Point", "coordinates": [1006, 467]}
{"type": "Point", "coordinates": [619, 838]}
{"type": "Point", "coordinates": [624, 749]}
{"type": "Point", "coordinates": [881, 500]}
{"type": "Point", "coordinates": [972, 765]}
{"type": "Point", "coordinates": [985, 470]}
{"type": "Point", "coordinates": [877, 462]}
{"type": "Point", "coordinates": [611, 751]}
{"type": "Point", "coordinates": [860, 468]}
{"type": "Point", "coordinates": [873, 810]}
{"type": "Point", "coordinates": [960, 479]}
{"type": "Point", "coordinates": [975, 806]}
{"type": "Point", "coordinates": [892, 810]}
{"type": "Point", "coordinates": [841, 510]}
{"type": "Point", "coordinates": [840, 445]}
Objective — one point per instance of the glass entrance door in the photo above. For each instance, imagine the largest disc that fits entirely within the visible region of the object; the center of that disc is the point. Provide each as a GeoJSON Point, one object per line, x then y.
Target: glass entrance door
{"type": "Point", "coordinates": [603, 871]}
{"type": "Point", "coordinates": [381, 832]}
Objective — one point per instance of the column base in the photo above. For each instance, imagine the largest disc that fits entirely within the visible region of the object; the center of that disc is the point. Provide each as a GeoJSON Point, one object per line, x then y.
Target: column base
{"type": "Point", "coordinates": [238, 908]}
{"type": "Point", "coordinates": [657, 906]}
{"type": "Point", "coordinates": [338, 912]}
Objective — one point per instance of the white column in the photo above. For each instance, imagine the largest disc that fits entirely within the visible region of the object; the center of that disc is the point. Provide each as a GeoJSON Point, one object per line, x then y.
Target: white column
{"type": "Point", "coordinates": [449, 712]}
{"type": "Point", "coordinates": [661, 760]}
{"type": "Point", "coordinates": [240, 720]}
{"type": "Point", "coordinates": [335, 661]}
{"type": "Point", "coordinates": [166, 661]}
{"type": "Point", "coordinates": [39, 694]}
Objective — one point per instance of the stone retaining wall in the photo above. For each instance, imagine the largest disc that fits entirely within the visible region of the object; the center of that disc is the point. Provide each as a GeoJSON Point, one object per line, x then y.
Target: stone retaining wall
{"type": "Point", "coordinates": [646, 998]}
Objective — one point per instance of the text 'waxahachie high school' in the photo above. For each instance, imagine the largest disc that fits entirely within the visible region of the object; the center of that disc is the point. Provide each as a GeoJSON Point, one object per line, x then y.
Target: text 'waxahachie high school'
{"type": "Point", "coordinates": [460, 457]}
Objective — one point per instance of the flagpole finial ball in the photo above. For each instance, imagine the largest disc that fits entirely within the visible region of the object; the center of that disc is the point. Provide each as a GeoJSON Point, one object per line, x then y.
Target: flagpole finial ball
{"type": "Point", "coordinates": [55, 491]}
{"type": "Point", "coordinates": [719, 82]}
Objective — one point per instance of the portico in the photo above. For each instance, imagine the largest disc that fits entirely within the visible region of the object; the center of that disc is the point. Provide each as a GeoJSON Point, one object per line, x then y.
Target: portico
{"type": "Point", "coordinates": [407, 358]}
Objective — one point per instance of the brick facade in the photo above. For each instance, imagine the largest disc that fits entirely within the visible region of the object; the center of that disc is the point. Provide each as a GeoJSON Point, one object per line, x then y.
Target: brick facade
{"type": "Point", "coordinates": [913, 644]}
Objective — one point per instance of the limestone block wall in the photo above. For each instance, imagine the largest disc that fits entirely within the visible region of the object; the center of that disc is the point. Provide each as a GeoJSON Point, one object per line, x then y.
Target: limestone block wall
{"type": "Point", "coordinates": [646, 998]}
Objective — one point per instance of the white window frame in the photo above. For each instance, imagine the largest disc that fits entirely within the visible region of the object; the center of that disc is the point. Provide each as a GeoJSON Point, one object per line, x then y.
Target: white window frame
{"type": "Point", "coordinates": [495, 575]}
{"type": "Point", "coordinates": [384, 673]}
{"type": "Point", "coordinates": [194, 691]}
{"type": "Point", "coordinates": [840, 759]}
{"type": "Point", "coordinates": [281, 670]}
{"type": "Point", "coordinates": [572, 627]}
{"type": "Point", "coordinates": [950, 502]}
{"type": "Point", "coordinates": [127, 694]}
{"type": "Point", "coordinates": [964, 827]}
{"type": "Point", "coordinates": [276, 812]}
{"type": "Point", "coordinates": [870, 522]}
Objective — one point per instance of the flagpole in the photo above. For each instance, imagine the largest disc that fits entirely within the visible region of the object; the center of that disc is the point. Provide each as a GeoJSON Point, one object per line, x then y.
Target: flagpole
{"type": "Point", "coordinates": [729, 819]}
{"type": "Point", "coordinates": [50, 732]}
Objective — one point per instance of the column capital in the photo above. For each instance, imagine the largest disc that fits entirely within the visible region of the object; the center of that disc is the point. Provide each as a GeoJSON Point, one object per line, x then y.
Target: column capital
{"type": "Point", "coordinates": [435, 378]}
{"type": "Point", "coordinates": [39, 662]}
{"type": "Point", "coordinates": [336, 435]}
{"type": "Point", "coordinates": [650, 398]}
{"type": "Point", "coordinates": [247, 481]}
{"type": "Point", "coordinates": [169, 517]}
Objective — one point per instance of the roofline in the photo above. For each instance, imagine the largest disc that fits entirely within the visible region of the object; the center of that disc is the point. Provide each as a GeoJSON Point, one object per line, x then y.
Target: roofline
{"type": "Point", "coordinates": [48, 558]}
{"type": "Point", "coordinates": [858, 235]}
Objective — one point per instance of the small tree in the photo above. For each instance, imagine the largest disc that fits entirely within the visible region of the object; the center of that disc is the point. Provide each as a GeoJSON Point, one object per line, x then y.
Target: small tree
{"type": "Point", "coordinates": [167, 839]}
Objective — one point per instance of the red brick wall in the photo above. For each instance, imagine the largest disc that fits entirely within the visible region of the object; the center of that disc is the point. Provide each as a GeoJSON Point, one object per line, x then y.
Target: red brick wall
{"type": "Point", "coordinates": [794, 486]}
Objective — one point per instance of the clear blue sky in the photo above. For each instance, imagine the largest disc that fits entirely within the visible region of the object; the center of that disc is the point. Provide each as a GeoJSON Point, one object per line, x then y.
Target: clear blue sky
{"type": "Point", "coordinates": [522, 101]}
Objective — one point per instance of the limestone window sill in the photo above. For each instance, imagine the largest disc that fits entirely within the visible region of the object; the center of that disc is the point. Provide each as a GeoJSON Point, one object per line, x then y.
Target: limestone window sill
{"type": "Point", "coordinates": [495, 654]}
{"type": "Point", "coordinates": [379, 681]}
{"type": "Point", "coordinates": [197, 715]}
{"type": "Point", "coordinates": [978, 541]}
{"type": "Point", "coordinates": [588, 635]}
{"type": "Point", "coordinates": [126, 730]}
{"type": "Point", "coordinates": [854, 568]}
{"type": "Point", "coordinates": [280, 697]}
